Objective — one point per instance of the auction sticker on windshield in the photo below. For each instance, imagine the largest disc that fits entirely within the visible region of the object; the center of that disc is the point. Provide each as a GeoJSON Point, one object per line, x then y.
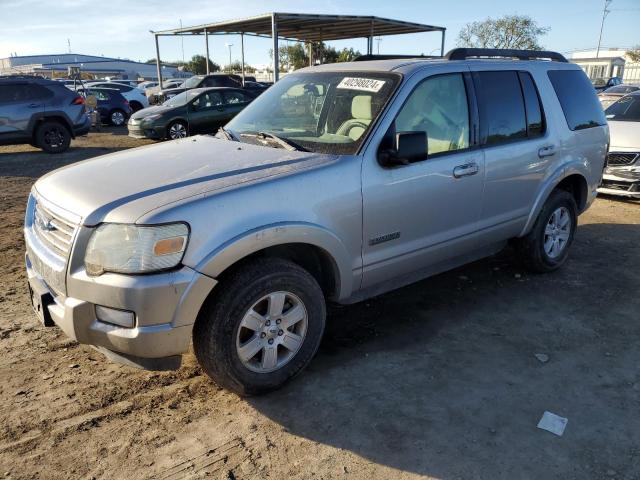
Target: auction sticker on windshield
{"type": "Point", "coordinates": [364, 84]}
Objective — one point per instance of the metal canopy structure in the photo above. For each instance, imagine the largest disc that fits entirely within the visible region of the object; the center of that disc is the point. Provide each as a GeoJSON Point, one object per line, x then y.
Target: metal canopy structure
{"type": "Point", "coordinates": [300, 27]}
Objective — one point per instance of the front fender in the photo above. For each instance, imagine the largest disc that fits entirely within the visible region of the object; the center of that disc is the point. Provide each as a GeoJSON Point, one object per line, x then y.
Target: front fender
{"type": "Point", "coordinates": [266, 236]}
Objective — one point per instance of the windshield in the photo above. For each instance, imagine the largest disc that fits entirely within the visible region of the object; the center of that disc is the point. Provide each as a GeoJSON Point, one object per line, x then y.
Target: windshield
{"type": "Point", "coordinates": [323, 112]}
{"type": "Point", "coordinates": [192, 82]}
{"type": "Point", "coordinates": [181, 99]}
{"type": "Point", "coordinates": [627, 109]}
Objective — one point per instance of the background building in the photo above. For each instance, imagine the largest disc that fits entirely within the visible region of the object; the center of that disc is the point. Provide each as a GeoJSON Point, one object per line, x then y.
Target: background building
{"type": "Point", "coordinates": [99, 67]}
{"type": "Point", "coordinates": [610, 62]}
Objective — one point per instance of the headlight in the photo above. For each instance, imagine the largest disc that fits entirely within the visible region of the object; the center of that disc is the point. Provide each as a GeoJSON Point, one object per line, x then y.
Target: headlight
{"type": "Point", "coordinates": [123, 248]}
{"type": "Point", "coordinates": [151, 118]}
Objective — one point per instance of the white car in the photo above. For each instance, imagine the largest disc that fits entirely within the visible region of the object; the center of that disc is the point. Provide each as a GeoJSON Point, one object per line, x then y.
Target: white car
{"type": "Point", "coordinates": [145, 85]}
{"type": "Point", "coordinates": [622, 174]}
{"type": "Point", "coordinates": [136, 97]}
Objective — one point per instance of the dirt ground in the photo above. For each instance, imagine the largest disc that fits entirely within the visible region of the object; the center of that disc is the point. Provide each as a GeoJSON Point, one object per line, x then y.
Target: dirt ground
{"type": "Point", "coordinates": [437, 380]}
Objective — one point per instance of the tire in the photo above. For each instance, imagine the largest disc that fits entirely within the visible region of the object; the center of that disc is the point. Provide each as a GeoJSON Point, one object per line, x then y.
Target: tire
{"type": "Point", "coordinates": [135, 106]}
{"type": "Point", "coordinates": [219, 335]}
{"type": "Point", "coordinates": [52, 137]}
{"type": "Point", "coordinates": [177, 129]}
{"type": "Point", "coordinates": [117, 118]}
{"type": "Point", "coordinates": [537, 248]}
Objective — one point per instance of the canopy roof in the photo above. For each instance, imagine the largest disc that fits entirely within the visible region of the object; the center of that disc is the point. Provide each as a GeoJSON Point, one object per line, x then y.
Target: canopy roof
{"type": "Point", "coordinates": [307, 27]}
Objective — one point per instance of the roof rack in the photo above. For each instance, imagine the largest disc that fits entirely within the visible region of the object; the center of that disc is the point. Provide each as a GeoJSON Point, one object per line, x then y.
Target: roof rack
{"type": "Point", "coordinates": [364, 58]}
{"type": "Point", "coordinates": [465, 53]}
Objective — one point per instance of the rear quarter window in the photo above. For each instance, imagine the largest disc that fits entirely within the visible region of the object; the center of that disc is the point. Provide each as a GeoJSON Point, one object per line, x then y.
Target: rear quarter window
{"type": "Point", "coordinates": [577, 98]}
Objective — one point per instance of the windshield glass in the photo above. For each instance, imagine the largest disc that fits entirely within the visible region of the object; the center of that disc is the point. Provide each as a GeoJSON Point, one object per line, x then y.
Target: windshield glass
{"type": "Point", "coordinates": [323, 112]}
{"type": "Point", "coordinates": [192, 82]}
{"type": "Point", "coordinates": [627, 109]}
{"type": "Point", "coordinates": [181, 99]}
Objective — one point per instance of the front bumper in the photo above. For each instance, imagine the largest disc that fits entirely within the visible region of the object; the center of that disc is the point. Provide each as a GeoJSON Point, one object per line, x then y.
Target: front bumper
{"type": "Point", "coordinates": [137, 130]}
{"type": "Point", "coordinates": [622, 181]}
{"type": "Point", "coordinates": [165, 306]}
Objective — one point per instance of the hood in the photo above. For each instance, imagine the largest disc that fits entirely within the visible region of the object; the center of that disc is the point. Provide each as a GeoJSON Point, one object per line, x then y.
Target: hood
{"type": "Point", "coordinates": [145, 112]}
{"type": "Point", "coordinates": [625, 136]}
{"type": "Point", "coordinates": [122, 186]}
{"type": "Point", "coordinates": [172, 91]}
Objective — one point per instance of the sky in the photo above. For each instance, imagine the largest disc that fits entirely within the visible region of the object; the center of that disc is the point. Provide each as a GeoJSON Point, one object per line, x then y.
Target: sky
{"type": "Point", "coordinates": [120, 28]}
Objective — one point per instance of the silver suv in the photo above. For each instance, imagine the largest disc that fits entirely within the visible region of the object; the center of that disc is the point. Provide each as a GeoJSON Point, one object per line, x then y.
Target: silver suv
{"type": "Point", "coordinates": [339, 183]}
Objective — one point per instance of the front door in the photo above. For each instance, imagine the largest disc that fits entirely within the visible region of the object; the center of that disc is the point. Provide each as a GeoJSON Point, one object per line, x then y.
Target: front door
{"type": "Point", "coordinates": [207, 113]}
{"type": "Point", "coordinates": [419, 215]}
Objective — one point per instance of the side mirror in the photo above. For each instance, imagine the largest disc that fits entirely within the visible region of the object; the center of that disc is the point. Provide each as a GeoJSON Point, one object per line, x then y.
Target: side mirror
{"type": "Point", "coordinates": [408, 147]}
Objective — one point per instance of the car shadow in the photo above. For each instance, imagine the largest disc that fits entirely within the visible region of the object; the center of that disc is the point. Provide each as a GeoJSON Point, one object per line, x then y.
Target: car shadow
{"type": "Point", "coordinates": [440, 378]}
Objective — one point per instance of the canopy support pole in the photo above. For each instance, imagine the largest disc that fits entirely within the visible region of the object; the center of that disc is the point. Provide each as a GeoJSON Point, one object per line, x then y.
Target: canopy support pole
{"type": "Point", "coordinates": [206, 44]}
{"type": "Point", "coordinates": [242, 55]}
{"type": "Point", "coordinates": [274, 36]}
{"type": "Point", "coordinates": [158, 66]}
{"type": "Point", "coordinates": [442, 45]}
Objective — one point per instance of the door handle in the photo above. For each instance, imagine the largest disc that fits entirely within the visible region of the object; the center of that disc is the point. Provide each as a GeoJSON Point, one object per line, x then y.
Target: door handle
{"type": "Point", "coordinates": [547, 151]}
{"type": "Point", "coordinates": [465, 170]}
{"type": "Point", "coordinates": [34, 105]}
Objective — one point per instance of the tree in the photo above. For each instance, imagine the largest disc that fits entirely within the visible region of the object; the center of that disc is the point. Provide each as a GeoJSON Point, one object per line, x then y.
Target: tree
{"type": "Point", "coordinates": [634, 54]}
{"type": "Point", "coordinates": [511, 31]}
{"type": "Point", "coordinates": [236, 67]}
{"type": "Point", "coordinates": [348, 55]}
{"type": "Point", "coordinates": [198, 65]}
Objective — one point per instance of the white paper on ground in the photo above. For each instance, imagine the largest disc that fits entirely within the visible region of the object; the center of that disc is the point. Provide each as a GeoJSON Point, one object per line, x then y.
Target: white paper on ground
{"type": "Point", "coordinates": [553, 423]}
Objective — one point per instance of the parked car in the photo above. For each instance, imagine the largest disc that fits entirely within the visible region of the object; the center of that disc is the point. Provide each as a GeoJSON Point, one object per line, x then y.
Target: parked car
{"type": "Point", "coordinates": [152, 92]}
{"type": "Point", "coordinates": [213, 80]}
{"type": "Point", "coordinates": [601, 84]}
{"type": "Point", "coordinates": [41, 112]}
{"type": "Point", "coordinates": [340, 182]}
{"type": "Point", "coordinates": [114, 109]}
{"type": "Point", "coordinates": [200, 110]}
{"type": "Point", "coordinates": [144, 86]}
{"type": "Point", "coordinates": [622, 175]}
{"type": "Point", "coordinates": [613, 94]}
{"type": "Point", "coordinates": [136, 98]}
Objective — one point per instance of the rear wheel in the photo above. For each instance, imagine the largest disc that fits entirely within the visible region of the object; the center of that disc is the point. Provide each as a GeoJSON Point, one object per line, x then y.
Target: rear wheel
{"type": "Point", "coordinates": [135, 106]}
{"type": "Point", "coordinates": [117, 118]}
{"type": "Point", "coordinates": [53, 137]}
{"type": "Point", "coordinates": [177, 130]}
{"type": "Point", "coordinates": [546, 247]}
{"type": "Point", "coordinates": [261, 328]}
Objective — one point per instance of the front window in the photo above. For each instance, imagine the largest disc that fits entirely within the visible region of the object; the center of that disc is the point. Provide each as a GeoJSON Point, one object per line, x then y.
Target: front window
{"type": "Point", "coordinates": [627, 109]}
{"type": "Point", "coordinates": [181, 99]}
{"type": "Point", "coordinates": [323, 112]}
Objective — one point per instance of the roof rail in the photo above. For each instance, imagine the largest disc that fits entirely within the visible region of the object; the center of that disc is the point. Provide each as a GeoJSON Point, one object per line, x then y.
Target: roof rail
{"type": "Point", "coordinates": [465, 53]}
{"type": "Point", "coordinates": [364, 58]}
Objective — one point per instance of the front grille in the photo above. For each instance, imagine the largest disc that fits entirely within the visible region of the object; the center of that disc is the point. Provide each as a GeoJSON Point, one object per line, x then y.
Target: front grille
{"type": "Point", "coordinates": [621, 158]}
{"type": "Point", "coordinates": [53, 230]}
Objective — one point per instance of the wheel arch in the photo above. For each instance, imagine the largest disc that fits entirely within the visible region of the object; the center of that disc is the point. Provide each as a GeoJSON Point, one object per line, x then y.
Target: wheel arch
{"type": "Point", "coordinates": [571, 180]}
{"type": "Point", "coordinates": [314, 248]}
{"type": "Point", "coordinates": [39, 119]}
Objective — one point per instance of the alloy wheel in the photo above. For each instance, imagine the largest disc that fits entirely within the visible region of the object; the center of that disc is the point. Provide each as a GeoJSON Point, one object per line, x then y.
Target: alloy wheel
{"type": "Point", "coordinates": [271, 332]}
{"type": "Point", "coordinates": [177, 130]}
{"type": "Point", "coordinates": [117, 118]}
{"type": "Point", "coordinates": [557, 232]}
{"type": "Point", "coordinates": [54, 137]}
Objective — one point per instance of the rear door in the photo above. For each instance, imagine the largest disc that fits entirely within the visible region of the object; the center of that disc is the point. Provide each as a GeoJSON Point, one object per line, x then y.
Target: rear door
{"type": "Point", "coordinates": [517, 146]}
{"type": "Point", "coordinates": [19, 102]}
{"type": "Point", "coordinates": [235, 101]}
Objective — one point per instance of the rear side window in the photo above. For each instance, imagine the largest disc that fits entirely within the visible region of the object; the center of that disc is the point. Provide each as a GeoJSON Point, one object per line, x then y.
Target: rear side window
{"type": "Point", "coordinates": [532, 106]}
{"type": "Point", "coordinates": [502, 112]}
{"type": "Point", "coordinates": [578, 99]}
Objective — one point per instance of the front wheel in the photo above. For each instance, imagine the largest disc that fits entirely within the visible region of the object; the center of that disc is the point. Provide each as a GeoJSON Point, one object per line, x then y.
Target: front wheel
{"type": "Point", "coordinates": [177, 130]}
{"type": "Point", "coordinates": [261, 328]}
{"type": "Point", "coordinates": [546, 247]}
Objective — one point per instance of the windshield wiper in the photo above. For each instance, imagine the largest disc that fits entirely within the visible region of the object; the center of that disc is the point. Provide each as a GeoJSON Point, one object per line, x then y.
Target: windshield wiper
{"type": "Point", "coordinates": [228, 134]}
{"type": "Point", "coordinates": [283, 142]}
